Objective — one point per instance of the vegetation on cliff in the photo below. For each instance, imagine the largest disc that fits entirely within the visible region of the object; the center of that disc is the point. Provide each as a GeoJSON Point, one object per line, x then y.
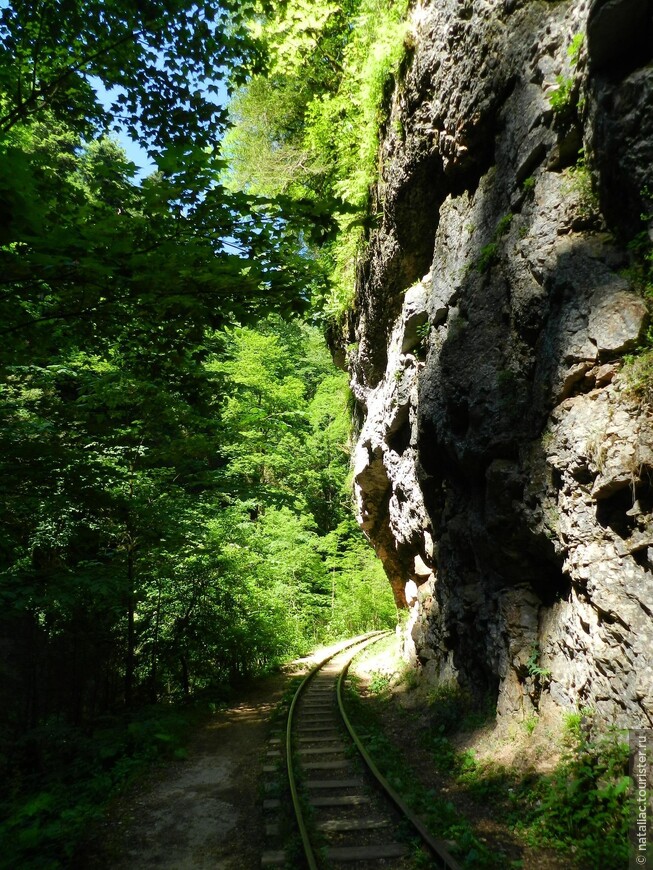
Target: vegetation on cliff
{"type": "Point", "coordinates": [308, 125]}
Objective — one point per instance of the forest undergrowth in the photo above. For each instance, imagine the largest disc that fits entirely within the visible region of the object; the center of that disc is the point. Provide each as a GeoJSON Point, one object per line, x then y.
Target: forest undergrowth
{"type": "Point", "coordinates": [562, 801]}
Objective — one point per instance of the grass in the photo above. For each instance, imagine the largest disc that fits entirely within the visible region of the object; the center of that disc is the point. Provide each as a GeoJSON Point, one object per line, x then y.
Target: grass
{"type": "Point", "coordinates": [438, 813]}
{"type": "Point", "coordinates": [488, 253]}
{"type": "Point", "coordinates": [453, 709]}
{"type": "Point", "coordinates": [580, 809]}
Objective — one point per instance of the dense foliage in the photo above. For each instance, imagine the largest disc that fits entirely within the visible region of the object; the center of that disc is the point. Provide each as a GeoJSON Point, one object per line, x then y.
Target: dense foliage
{"type": "Point", "coordinates": [308, 125]}
{"type": "Point", "coordinates": [174, 440]}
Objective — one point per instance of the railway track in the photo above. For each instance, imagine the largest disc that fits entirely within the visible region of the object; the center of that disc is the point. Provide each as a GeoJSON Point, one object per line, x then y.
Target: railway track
{"type": "Point", "coordinates": [347, 814]}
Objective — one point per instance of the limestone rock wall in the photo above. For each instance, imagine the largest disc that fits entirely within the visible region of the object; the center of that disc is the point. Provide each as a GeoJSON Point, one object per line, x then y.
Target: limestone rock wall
{"type": "Point", "coordinates": [504, 471]}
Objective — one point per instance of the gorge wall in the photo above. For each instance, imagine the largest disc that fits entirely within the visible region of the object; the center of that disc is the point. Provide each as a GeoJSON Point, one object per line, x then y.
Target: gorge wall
{"type": "Point", "coordinates": [504, 468]}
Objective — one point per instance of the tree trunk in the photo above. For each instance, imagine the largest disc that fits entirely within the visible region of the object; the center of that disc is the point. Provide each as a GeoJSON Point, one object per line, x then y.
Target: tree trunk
{"type": "Point", "coordinates": [185, 677]}
{"type": "Point", "coordinates": [155, 648]}
{"type": "Point", "coordinates": [131, 632]}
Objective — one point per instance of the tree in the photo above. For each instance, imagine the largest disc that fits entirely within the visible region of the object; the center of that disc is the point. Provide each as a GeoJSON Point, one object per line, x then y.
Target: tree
{"type": "Point", "coordinates": [111, 295]}
{"type": "Point", "coordinates": [308, 126]}
{"type": "Point", "coordinates": [161, 55]}
{"type": "Point", "coordinates": [173, 441]}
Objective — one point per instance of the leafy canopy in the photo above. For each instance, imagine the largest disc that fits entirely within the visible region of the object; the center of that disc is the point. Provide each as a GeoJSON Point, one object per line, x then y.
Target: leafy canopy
{"type": "Point", "coordinates": [308, 126]}
{"type": "Point", "coordinates": [164, 56]}
{"type": "Point", "coordinates": [173, 441]}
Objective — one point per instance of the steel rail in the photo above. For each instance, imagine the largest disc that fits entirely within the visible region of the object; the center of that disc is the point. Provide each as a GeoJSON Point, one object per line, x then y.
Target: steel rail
{"type": "Point", "coordinates": [299, 813]}
{"type": "Point", "coordinates": [438, 848]}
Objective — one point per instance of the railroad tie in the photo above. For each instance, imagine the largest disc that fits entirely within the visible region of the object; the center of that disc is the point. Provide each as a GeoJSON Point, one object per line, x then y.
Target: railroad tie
{"type": "Point", "coordinates": [360, 824]}
{"type": "Point", "coordinates": [338, 749]}
{"type": "Point", "coordinates": [276, 858]}
{"type": "Point", "coordinates": [325, 765]}
{"type": "Point", "coordinates": [334, 783]}
{"type": "Point", "coordinates": [342, 800]}
{"type": "Point", "coordinates": [366, 853]}
{"type": "Point", "coordinates": [314, 727]}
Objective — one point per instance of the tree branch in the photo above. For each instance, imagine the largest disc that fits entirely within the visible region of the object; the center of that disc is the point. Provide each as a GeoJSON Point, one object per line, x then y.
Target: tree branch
{"type": "Point", "coordinates": [23, 110]}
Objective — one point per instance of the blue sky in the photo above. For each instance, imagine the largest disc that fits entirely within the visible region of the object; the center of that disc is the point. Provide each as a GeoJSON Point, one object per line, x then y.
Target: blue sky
{"type": "Point", "coordinates": [134, 151]}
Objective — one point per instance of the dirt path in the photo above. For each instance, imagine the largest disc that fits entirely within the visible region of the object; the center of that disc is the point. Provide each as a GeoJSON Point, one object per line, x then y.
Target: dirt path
{"type": "Point", "coordinates": [207, 810]}
{"type": "Point", "coordinates": [204, 811]}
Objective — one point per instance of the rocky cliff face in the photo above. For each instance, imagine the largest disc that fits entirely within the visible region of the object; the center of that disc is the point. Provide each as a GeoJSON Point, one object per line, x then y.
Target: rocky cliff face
{"type": "Point", "coordinates": [504, 469]}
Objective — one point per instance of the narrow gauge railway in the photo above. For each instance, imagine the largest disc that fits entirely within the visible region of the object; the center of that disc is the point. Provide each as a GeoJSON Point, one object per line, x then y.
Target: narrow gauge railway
{"type": "Point", "coordinates": [348, 815]}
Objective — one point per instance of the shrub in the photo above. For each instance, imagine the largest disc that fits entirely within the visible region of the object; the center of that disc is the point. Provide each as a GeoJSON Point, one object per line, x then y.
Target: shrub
{"type": "Point", "coordinates": [578, 182]}
{"type": "Point", "coordinates": [486, 257]}
{"type": "Point", "coordinates": [62, 780]}
{"type": "Point", "coordinates": [638, 372]}
{"type": "Point", "coordinates": [583, 805]}
{"type": "Point", "coordinates": [561, 98]}
{"type": "Point", "coordinates": [379, 683]}
{"type": "Point", "coordinates": [533, 665]}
